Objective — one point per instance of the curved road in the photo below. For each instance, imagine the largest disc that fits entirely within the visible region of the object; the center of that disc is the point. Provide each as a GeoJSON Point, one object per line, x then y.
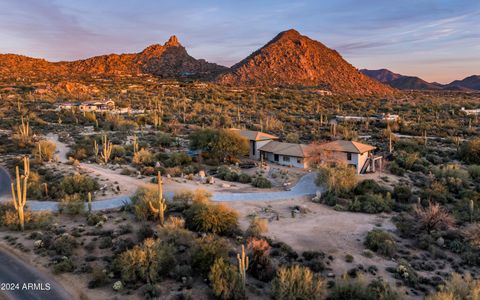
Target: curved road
{"type": "Point", "coordinates": [305, 186]}
{"type": "Point", "coordinates": [4, 183]}
{"type": "Point", "coordinates": [23, 282]}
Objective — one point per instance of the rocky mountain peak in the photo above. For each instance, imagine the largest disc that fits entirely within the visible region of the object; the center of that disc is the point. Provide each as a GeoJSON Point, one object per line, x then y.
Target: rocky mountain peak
{"type": "Point", "coordinates": [172, 42]}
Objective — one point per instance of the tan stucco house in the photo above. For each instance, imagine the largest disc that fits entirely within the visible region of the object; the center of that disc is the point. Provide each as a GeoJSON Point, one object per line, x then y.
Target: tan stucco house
{"type": "Point", "coordinates": [358, 155]}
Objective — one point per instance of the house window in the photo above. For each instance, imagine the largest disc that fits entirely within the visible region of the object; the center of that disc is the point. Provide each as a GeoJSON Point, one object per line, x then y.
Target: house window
{"type": "Point", "coordinates": [299, 160]}
{"type": "Point", "coordinates": [349, 156]}
{"type": "Point", "coordinates": [286, 158]}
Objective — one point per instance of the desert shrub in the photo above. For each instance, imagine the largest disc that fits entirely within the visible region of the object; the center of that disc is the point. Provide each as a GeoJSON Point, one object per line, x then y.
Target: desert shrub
{"type": "Point", "coordinates": [64, 265]}
{"type": "Point", "coordinates": [381, 242]}
{"type": "Point", "coordinates": [402, 193]}
{"type": "Point", "coordinates": [261, 182]}
{"type": "Point", "coordinates": [472, 235]}
{"type": "Point", "coordinates": [145, 263]}
{"type": "Point", "coordinates": [474, 171]}
{"type": "Point", "coordinates": [64, 245]}
{"type": "Point", "coordinates": [144, 232]}
{"type": "Point", "coordinates": [177, 159]}
{"type": "Point", "coordinates": [244, 178]}
{"type": "Point", "coordinates": [32, 220]}
{"type": "Point", "coordinates": [105, 242]}
{"type": "Point", "coordinates": [212, 218]}
{"type": "Point", "coordinates": [78, 184]}
{"type": "Point", "coordinates": [297, 282]}
{"type": "Point", "coordinates": [458, 287]}
{"type": "Point", "coordinates": [261, 266]}
{"type": "Point", "coordinates": [257, 227]}
{"type": "Point", "coordinates": [368, 186]}
{"type": "Point", "coordinates": [206, 251]}
{"type": "Point", "coordinates": [339, 178]}
{"type": "Point", "coordinates": [470, 151]}
{"type": "Point", "coordinates": [72, 205]}
{"type": "Point", "coordinates": [143, 157]}
{"type": "Point", "coordinates": [371, 203]}
{"type": "Point", "coordinates": [98, 278]}
{"type": "Point", "coordinates": [140, 200]}
{"type": "Point", "coordinates": [226, 281]}
{"type": "Point", "coordinates": [433, 217]}
{"type": "Point", "coordinates": [405, 272]}
{"type": "Point", "coordinates": [44, 150]}
{"type": "Point", "coordinates": [223, 145]}
{"type": "Point", "coordinates": [359, 289]}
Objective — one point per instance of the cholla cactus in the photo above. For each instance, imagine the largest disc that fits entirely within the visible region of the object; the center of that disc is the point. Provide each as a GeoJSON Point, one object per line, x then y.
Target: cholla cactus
{"type": "Point", "coordinates": [243, 265]}
{"type": "Point", "coordinates": [107, 149]}
{"type": "Point", "coordinates": [161, 202]}
{"type": "Point", "coordinates": [135, 144]}
{"type": "Point", "coordinates": [19, 195]}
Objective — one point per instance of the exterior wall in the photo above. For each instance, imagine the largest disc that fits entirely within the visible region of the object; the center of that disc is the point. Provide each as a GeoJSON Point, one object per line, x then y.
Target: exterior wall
{"type": "Point", "coordinates": [357, 160]}
{"type": "Point", "coordinates": [284, 160]}
{"type": "Point", "coordinates": [257, 145]}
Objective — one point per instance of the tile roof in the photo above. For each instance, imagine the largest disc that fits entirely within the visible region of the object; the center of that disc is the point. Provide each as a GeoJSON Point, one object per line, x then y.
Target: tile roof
{"type": "Point", "coordinates": [347, 146]}
{"type": "Point", "coordinates": [254, 135]}
{"type": "Point", "coordinates": [297, 150]}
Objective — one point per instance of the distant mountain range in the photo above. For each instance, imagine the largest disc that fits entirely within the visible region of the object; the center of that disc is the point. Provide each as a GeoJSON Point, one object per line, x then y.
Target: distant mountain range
{"type": "Point", "coordinates": [167, 60]}
{"type": "Point", "coordinates": [403, 82]}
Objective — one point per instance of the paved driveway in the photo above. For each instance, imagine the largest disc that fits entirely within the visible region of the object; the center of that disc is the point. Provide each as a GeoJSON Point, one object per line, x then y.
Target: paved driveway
{"type": "Point", "coordinates": [305, 186]}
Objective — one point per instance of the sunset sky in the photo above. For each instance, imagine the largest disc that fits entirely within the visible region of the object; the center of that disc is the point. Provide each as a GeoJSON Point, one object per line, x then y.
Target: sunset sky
{"type": "Point", "coordinates": [437, 40]}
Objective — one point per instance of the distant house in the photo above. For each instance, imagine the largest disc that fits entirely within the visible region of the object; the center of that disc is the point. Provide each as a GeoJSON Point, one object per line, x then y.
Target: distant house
{"type": "Point", "coordinates": [470, 112]}
{"type": "Point", "coordinates": [102, 105]}
{"type": "Point", "coordinates": [358, 155]}
{"type": "Point", "coordinates": [287, 154]}
{"type": "Point", "coordinates": [67, 105]}
{"type": "Point", "coordinates": [256, 139]}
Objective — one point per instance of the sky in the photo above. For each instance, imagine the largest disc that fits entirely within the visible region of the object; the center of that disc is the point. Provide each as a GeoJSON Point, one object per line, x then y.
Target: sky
{"type": "Point", "coordinates": [437, 40]}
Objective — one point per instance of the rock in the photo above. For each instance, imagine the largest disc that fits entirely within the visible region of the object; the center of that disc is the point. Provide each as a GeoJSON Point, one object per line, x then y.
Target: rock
{"type": "Point", "coordinates": [225, 185]}
{"type": "Point", "coordinates": [38, 244]}
{"type": "Point", "coordinates": [330, 275]}
{"type": "Point", "coordinates": [201, 173]}
{"type": "Point", "coordinates": [210, 180]}
{"type": "Point", "coordinates": [440, 242]}
{"type": "Point", "coordinates": [118, 285]}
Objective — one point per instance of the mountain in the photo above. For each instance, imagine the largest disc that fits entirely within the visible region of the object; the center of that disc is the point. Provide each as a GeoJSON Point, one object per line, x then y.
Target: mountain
{"type": "Point", "coordinates": [469, 83]}
{"type": "Point", "coordinates": [399, 81]}
{"type": "Point", "coordinates": [403, 82]}
{"type": "Point", "coordinates": [168, 60]}
{"type": "Point", "coordinates": [382, 75]}
{"type": "Point", "coordinates": [291, 59]}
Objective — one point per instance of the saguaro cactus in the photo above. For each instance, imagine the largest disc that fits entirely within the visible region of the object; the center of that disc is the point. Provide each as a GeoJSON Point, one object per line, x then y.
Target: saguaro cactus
{"type": "Point", "coordinates": [243, 265]}
{"type": "Point", "coordinates": [161, 202]}
{"type": "Point", "coordinates": [19, 196]}
{"type": "Point", "coordinates": [89, 202]}
{"type": "Point", "coordinates": [95, 148]}
{"type": "Point", "coordinates": [26, 166]}
{"type": "Point", "coordinates": [135, 144]}
{"type": "Point", "coordinates": [107, 149]}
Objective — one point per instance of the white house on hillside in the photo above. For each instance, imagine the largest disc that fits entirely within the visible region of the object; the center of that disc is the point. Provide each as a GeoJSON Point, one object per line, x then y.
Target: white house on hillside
{"type": "Point", "coordinates": [256, 139]}
{"type": "Point", "coordinates": [353, 153]}
{"type": "Point", "coordinates": [287, 154]}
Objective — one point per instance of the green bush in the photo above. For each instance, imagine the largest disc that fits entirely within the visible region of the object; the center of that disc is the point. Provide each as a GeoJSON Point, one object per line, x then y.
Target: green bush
{"type": "Point", "coordinates": [360, 289]}
{"type": "Point", "coordinates": [371, 204]}
{"type": "Point", "coordinates": [206, 251]}
{"type": "Point", "coordinates": [381, 242]}
{"type": "Point", "coordinates": [64, 245]}
{"type": "Point", "coordinates": [72, 205]}
{"type": "Point", "coordinates": [297, 282]}
{"type": "Point", "coordinates": [211, 218]}
{"type": "Point", "coordinates": [261, 182]}
{"type": "Point", "coordinates": [474, 171]}
{"type": "Point", "coordinates": [226, 281]}
{"type": "Point", "coordinates": [470, 151]}
{"type": "Point", "coordinates": [402, 193]}
{"type": "Point", "coordinates": [78, 184]}
{"type": "Point", "coordinates": [244, 178]}
{"type": "Point", "coordinates": [338, 179]}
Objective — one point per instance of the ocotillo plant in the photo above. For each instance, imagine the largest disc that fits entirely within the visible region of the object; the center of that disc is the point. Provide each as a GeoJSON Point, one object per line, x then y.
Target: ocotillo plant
{"type": "Point", "coordinates": [89, 202]}
{"type": "Point", "coordinates": [161, 202]}
{"type": "Point", "coordinates": [19, 196]}
{"type": "Point", "coordinates": [107, 149]}
{"type": "Point", "coordinates": [243, 265]}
